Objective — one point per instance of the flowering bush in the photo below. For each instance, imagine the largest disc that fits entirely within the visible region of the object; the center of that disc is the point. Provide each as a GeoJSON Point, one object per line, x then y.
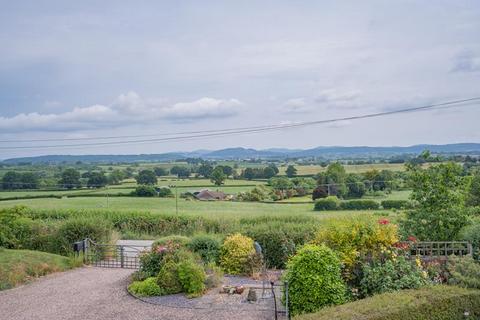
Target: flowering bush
{"type": "Point", "coordinates": [236, 254]}
{"type": "Point", "coordinates": [356, 239]}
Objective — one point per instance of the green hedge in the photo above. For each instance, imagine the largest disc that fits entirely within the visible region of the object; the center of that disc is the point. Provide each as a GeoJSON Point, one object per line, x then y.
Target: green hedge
{"type": "Point", "coordinates": [359, 205]}
{"type": "Point", "coordinates": [396, 204]}
{"type": "Point", "coordinates": [431, 303]}
{"type": "Point", "coordinates": [326, 204]}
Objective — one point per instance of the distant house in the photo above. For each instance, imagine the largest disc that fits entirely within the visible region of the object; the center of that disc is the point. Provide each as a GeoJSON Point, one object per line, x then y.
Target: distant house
{"type": "Point", "coordinates": [211, 195]}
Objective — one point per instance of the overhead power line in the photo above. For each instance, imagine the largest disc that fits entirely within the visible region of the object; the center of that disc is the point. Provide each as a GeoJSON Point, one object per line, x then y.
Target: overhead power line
{"type": "Point", "coordinates": [247, 130]}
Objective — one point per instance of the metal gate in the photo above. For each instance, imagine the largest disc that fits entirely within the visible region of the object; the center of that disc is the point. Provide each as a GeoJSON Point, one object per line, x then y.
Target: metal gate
{"type": "Point", "coordinates": [110, 255]}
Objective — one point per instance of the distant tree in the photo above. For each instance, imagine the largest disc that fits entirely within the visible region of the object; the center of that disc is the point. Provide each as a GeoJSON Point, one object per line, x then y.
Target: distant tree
{"type": "Point", "coordinates": [160, 172]}
{"type": "Point", "coordinates": [281, 184]}
{"type": "Point", "coordinates": [70, 179]}
{"type": "Point", "coordinates": [274, 167]}
{"type": "Point", "coordinates": [205, 170]}
{"type": "Point", "coordinates": [146, 177]}
{"type": "Point", "coordinates": [268, 172]}
{"type": "Point", "coordinates": [291, 171]}
{"type": "Point", "coordinates": [227, 170]}
{"type": "Point", "coordinates": [129, 172]}
{"type": "Point", "coordinates": [336, 177]}
{"type": "Point", "coordinates": [355, 185]}
{"type": "Point", "coordinates": [180, 171]}
{"type": "Point", "coordinates": [116, 177]}
{"type": "Point", "coordinates": [303, 186]}
{"type": "Point", "coordinates": [11, 180]}
{"type": "Point", "coordinates": [217, 176]}
{"type": "Point", "coordinates": [248, 173]}
{"type": "Point", "coordinates": [29, 180]}
{"type": "Point", "coordinates": [97, 180]}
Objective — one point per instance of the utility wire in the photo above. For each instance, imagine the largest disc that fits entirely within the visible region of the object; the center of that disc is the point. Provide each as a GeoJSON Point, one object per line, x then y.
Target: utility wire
{"type": "Point", "coordinates": [246, 130]}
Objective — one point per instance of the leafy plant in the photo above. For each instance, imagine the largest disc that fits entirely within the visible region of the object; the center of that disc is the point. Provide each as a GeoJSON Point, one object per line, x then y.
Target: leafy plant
{"type": "Point", "coordinates": [207, 246]}
{"type": "Point", "coordinates": [464, 272]}
{"type": "Point", "coordinates": [192, 278]}
{"type": "Point", "coordinates": [147, 287]}
{"type": "Point", "coordinates": [235, 254]}
{"type": "Point", "coordinates": [394, 274]}
{"type": "Point", "coordinates": [314, 280]}
{"type": "Point", "coordinates": [167, 278]}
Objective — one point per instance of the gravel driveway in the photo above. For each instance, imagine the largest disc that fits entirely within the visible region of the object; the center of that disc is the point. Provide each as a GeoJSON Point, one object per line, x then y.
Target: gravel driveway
{"type": "Point", "coordinates": [96, 293]}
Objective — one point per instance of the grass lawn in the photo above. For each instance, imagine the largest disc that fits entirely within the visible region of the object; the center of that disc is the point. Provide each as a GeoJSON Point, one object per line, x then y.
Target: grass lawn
{"type": "Point", "coordinates": [20, 266]}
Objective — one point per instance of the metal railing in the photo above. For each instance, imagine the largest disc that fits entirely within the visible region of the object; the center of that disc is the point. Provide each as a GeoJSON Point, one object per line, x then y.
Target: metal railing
{"type": "Point", "coordinates": [435, 249]}
{"type": "Point", "coordinates": [110, 255]}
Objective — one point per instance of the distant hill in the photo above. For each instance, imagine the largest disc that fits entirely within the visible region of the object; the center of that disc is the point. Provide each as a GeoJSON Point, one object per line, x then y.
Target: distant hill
{"type": "Point", "coordinates": [274, 153]}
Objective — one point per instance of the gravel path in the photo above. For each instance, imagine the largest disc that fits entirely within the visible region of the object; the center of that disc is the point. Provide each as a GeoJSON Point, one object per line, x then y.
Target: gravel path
{"type": "Point", "coordinates": [96, 293]}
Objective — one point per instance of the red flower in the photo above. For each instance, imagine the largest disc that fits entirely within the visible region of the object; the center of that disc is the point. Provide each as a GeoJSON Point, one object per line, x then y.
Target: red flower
{"type": "Point", "coordinates": [383, 221]}
{"type": "Point", "coordinates": [412, 239]}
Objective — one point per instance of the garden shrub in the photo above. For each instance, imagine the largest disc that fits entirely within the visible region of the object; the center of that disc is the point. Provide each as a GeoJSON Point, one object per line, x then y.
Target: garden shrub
{"type": "Point", "coordinates": [236, 253]}
{"type": "Point", "coordinates": [192, 278]}
{"type": "Point", "coordinates": [145, 288]}
{"type": "Point", "coordinates": [276, 245]}
{"type": "Point", "coordinates": [328, 203]}
{"type": "Point", "coordinates": [463, 272]}
{"type": "Point", "coordinates": [395, 273]}
{"type": "Point", "coordinates": [164, 192]}
{"type": "Point", "coordinates": [151, 262]}
{"type": "Point", "coordinates": [360, 204]}
{"type": "Point", "coordinates": [396, 204]}
{"type": "Point", "coordinates": [167, 278]}
{"type": "Point", "coordinates": [144, 191]}
{"type": "Point", "coordinates": [16, 229]}
{"type": "Point", "coordinates": [471, 233]}
{"type": "Point", "coordinates": [207, 246]}
{"type": "Point", "coordinates": [429, 303]}
{"type": "Point", "coordinates": [77, 229]}
{"type": "Point", "coordinates": [353, 239]}
{"type": "Point", "coordinates": [314, 280]}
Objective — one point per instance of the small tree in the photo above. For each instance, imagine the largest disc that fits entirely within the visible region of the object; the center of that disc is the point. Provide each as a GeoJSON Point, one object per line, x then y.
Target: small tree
{"type": "Point", "coordinates": [70, 179]}
{"type": "Point", "coordinates": [248, 173]}
{"type": "Point", "coordinates": [291, 171]}
{"type": "Point", "coordinates": [11, 181]}
{"type": "Point", "coordinates": [268, 172]}
{"type": "Point", "coordinates": [217, 176]}
{"type": "Point", "coordinates": [146, 177]}
{"type": "Point", "coordinates": [116, 177]}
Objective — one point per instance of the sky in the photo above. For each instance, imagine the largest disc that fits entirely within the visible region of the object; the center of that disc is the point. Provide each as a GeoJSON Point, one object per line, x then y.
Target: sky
{"type": "Point", "coordinates": [86, 69]}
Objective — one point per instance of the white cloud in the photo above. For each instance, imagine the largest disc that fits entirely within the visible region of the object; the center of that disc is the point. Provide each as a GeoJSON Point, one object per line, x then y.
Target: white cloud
{"type": "Point", "coordinates": [128, 108]}
{"type": "Point", "coordinates": [297, 105]}
{"type": "Point", "coordinates": [204, 107]}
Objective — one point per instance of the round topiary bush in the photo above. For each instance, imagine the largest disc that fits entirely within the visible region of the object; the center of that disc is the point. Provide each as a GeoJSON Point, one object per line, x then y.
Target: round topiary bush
{"type": "Point", "coordinates": [314, 280]}
{"type": "Point", "coordinates": [236, 254]}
